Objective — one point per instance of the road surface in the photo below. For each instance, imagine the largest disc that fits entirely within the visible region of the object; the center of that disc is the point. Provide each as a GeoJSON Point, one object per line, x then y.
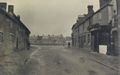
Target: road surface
{"type": "Point", "coordinates": [57, 60]}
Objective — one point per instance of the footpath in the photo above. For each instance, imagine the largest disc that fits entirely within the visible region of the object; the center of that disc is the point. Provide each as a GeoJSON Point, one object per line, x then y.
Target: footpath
{"type": "Point", "coordinates": [112, 62]}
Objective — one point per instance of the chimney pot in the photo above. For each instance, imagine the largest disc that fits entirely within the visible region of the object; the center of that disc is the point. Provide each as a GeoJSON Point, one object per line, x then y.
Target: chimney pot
{"type": "Point", "coordinates": [90, 9]}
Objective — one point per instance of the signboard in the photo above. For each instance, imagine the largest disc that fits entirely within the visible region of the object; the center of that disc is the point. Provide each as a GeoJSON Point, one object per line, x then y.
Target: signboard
{"type": "Point", "coordinates": [103, 49]}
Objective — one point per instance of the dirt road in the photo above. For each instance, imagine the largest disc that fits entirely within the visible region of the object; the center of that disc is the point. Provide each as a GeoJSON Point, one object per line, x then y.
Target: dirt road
{"type": "Point", "coordinates": [57, 60]}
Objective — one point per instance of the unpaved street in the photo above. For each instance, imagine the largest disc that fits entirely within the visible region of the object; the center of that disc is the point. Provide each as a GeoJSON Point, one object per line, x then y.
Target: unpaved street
{"type": "Point", "coordinates": [57, 60]}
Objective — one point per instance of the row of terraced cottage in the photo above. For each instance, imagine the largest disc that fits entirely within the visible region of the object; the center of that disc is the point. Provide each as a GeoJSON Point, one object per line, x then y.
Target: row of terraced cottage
{"type": "Point", "coordinates": [98, 28]}
{"type": "Point", "coordinates": [14, 35]}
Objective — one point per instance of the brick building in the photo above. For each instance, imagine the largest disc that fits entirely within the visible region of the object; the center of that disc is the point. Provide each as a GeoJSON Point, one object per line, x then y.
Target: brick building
{"type": "Point", "coordinates": [14, 35]}
{"type": "Point", "coordinates": [98, 28]}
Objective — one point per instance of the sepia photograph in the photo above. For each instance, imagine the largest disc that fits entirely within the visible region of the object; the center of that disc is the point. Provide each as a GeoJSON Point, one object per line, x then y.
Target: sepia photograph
{"type": "Point", "coordinates": [59, 37]}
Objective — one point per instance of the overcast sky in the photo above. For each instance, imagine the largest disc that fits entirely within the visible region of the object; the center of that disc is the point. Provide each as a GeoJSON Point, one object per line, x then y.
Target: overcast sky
{"type": "Point", "coordinates": [51, 16]}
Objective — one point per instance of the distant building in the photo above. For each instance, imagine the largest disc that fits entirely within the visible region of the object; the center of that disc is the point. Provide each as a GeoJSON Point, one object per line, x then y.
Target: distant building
{"type": "Point", "coordinates": [14, 35]}
{"type": "Point", "coordinates": [48, 40]}
{"type": "Point", "coordinates": [98, 28]}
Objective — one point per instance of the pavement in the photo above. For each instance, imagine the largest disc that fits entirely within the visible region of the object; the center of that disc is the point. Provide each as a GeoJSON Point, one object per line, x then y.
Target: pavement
{"type": "Point", "coordinates": [106, 60]}
{"type": "Point", "coordinates": [58, 60]}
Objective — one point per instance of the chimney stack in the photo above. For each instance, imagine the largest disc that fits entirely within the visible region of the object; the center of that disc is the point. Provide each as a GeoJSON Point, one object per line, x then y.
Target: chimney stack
{"type": "Point", "coordinates": [90, 9]}
{"type": "Point", "coordinates": [3, 6]}
{"type": "Point", "coordinates": [11, 8]}
{"type": "Point", "coordinates": [18, 16]}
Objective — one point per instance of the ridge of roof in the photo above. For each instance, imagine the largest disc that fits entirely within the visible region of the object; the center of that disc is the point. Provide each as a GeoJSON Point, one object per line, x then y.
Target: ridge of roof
{"type": "Point", "coordinates": [14, 18]}
{"type": "Point", "coordinates": [89, 16]}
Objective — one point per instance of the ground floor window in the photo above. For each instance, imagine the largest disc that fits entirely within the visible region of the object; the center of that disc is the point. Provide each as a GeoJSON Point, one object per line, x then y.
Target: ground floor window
{"type": "Point", "coordinates": [84, 39]}
{"type": "Point", "coordinates": [1, 37]}
{"type": "Point", "coordinates": [12, 37]}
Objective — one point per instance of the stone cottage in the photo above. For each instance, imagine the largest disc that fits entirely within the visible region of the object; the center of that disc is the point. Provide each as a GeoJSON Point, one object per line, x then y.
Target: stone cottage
{"type": "Point", "coordinates": [14, 35]}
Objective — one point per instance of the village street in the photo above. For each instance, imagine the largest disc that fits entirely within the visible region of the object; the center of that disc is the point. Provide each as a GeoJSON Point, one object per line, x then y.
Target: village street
{"type": "Point", "coordinates": [57, 60]}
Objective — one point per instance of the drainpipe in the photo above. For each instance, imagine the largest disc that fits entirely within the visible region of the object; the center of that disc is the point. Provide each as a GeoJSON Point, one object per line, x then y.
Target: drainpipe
{"type": "Point", "coordinates": [110, 42]}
